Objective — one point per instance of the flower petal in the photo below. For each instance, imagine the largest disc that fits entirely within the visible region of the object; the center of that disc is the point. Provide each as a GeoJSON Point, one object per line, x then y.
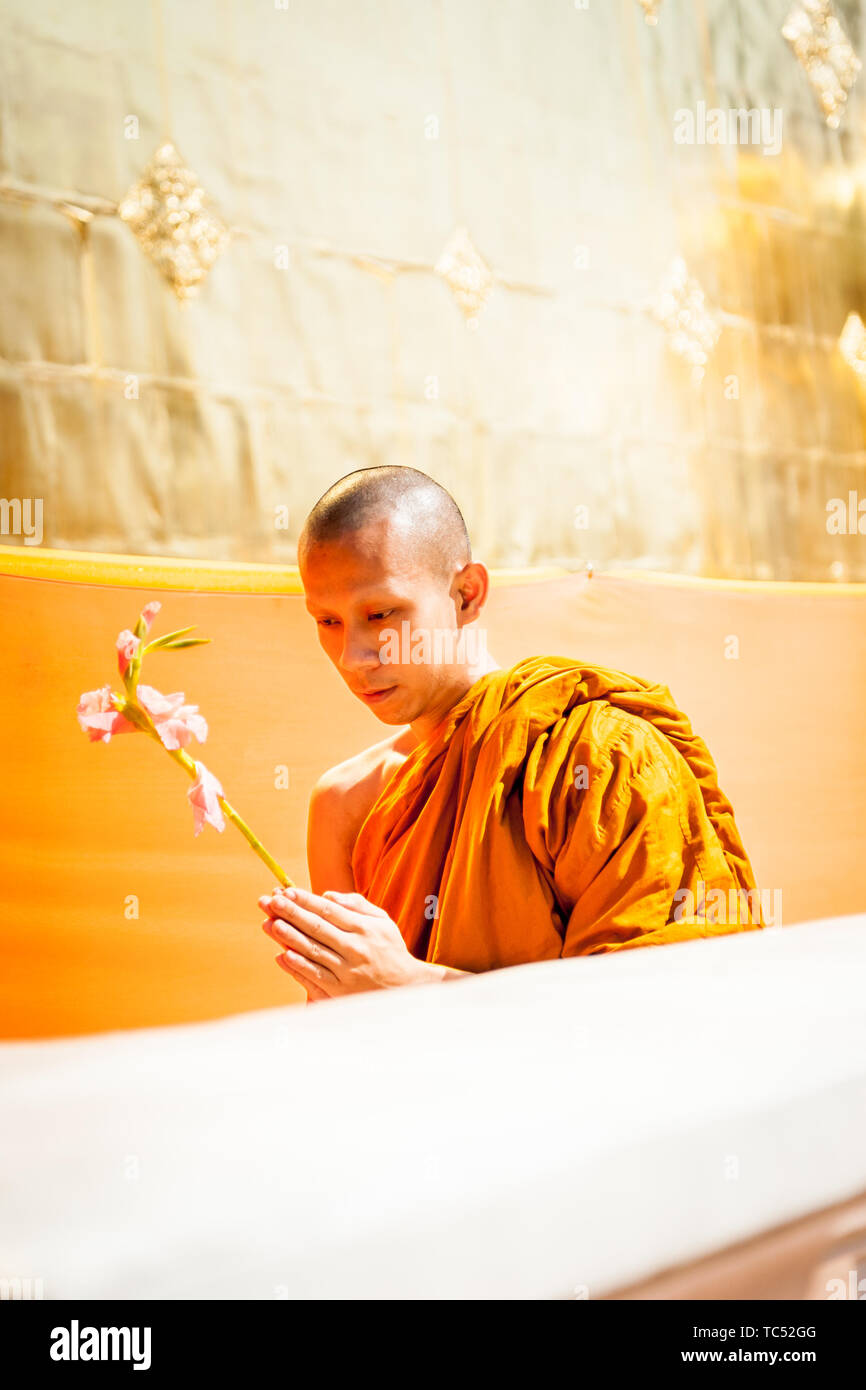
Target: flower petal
{"type": "Point", "coordinates": [175, 722]}
{"type": "Point", "coordinates": [98, 717]}
{"type": "Point", "coordinates": [149, 612]}
{"type": "Point", "coordinates": [127, 645]}
{"type": "Point", "coordinates": [203, 796]}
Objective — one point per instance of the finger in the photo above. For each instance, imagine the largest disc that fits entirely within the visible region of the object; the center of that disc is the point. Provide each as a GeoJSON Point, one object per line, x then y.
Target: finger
{"type": "Point", "coordinates": [328, 933]}
{"type": "Point", "coordinates": [320, 918]}
{"type": "Point", "coordinates": [314, 992]}
{"type": "Point", "coordinates": [355, 901]}
{"type": "Point", "coordinates": [307, 973]}
{"type": "Point", "coordinates": [330, 909]}
{"type": "Point", "coordinates": [285, 934]}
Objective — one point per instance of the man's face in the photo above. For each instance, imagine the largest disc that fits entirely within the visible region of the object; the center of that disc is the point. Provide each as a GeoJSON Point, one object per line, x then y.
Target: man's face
{"type": "Point", "coordinates": [363, 587]}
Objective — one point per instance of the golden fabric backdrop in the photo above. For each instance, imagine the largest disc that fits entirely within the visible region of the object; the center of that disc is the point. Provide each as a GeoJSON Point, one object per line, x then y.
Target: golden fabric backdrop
{"type": "Point", "coordinates": [343, 146]}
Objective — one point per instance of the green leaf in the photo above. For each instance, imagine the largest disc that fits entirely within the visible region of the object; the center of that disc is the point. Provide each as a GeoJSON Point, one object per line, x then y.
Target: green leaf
{"type": "Point", "coordinates": [168, 639]}
{"type": "Point", "coordinates": [187, 642]}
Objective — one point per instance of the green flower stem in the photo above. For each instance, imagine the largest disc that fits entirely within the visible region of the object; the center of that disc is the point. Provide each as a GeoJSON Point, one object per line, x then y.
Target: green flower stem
{"type": "Point", "coordinates": [255, 843]}
{"type": "Point", "coordinates": [136, 715]}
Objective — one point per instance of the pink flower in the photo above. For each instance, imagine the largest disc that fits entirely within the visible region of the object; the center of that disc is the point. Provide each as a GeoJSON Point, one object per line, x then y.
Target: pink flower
{"type": "Point", "coordinates": [175, 722]}
{"type": "Point", "coordinates": [98, 717]}
{"type": "Point", "coordinates": [149, 612]}
{"type": "Point", "coordinates": [127, 646]}
{"type": "Point", "coordinates": [203, 796]}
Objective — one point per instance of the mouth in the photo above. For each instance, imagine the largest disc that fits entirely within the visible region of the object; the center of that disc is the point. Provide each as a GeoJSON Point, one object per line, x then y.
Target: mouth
{"type": "Point", "coordinates": [374, 697]}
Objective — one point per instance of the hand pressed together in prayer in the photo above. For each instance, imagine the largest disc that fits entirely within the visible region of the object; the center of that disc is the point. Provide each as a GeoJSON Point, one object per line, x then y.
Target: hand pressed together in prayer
{"type": "Point", "coordinates": [340, 943]}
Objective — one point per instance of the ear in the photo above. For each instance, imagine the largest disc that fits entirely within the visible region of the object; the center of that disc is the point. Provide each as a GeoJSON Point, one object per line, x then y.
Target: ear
{"type": "Point", "coordinates": [473, 586]}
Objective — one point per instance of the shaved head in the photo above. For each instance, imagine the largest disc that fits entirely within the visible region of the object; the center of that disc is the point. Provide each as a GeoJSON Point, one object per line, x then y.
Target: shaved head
{"type": "Point", "coordinates": [424, 516]}
{"type": "Point", "coordinates": [388, 576]}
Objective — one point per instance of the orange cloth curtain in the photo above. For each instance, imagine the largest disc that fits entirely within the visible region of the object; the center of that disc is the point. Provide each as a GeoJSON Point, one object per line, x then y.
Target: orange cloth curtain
{"type": "Point", "coordinates": [115, 916]}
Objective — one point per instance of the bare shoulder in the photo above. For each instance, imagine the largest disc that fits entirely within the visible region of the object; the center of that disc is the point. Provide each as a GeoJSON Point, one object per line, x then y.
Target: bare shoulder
{"type": "Point", "coordinates": [339, 804]}
{"type": "Point", "coordinates": [349, 788]}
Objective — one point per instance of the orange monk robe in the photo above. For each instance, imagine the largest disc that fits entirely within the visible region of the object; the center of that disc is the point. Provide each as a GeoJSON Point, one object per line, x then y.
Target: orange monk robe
{"type": "Point", "coordinates": [558, 810]}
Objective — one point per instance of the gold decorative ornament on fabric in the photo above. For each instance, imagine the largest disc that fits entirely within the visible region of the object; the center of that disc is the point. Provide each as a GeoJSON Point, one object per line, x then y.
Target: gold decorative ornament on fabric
{"type": "Point", "coordinates": [650, 10]}
{"type": "Point", "coordinates": [852, 345]}
{"type": "Point", "coordinates": [168, 212]}
{"type": "Point", "coordinates": [823, 50]}
{"type": "Point", "coordinates": [467, 274]}
{"type": "Point", "coordinates": [680, 308]}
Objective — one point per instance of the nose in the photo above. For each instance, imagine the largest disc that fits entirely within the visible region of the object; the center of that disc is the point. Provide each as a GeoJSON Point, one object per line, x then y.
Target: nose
{"type": "Point", "coordinates": [359, 652]}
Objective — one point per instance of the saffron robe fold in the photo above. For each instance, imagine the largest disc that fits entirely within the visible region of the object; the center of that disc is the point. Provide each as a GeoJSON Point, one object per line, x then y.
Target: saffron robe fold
{"type": "Point", "coordinates": [558, 810]}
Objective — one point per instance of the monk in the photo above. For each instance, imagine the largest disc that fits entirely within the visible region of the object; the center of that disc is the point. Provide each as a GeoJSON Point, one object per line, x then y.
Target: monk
{"type": "Point", "coordinates": [555, 809]}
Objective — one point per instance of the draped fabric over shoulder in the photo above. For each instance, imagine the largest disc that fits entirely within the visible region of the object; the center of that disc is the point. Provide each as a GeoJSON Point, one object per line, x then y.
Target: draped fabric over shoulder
{"type": "Point", "coordinates": [558, 810]}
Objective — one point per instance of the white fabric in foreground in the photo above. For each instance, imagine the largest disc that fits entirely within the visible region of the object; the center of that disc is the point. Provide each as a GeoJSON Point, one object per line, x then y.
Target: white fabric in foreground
{"type": "Point", "coordinates": [521, 1134]}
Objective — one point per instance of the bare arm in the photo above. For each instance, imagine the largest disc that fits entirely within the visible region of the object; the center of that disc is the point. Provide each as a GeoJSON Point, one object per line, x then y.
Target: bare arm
{"type": "Point", "coordinates": [336, 812]}
{"type": "Point", "coordinates": [330, 839]}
